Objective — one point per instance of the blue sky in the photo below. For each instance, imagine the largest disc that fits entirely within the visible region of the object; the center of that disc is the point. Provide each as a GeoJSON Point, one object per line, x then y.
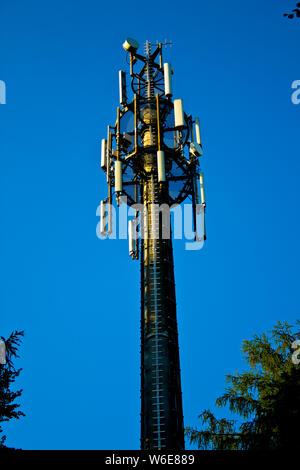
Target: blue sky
{"type": "Point", "coordinates": [77, 297]}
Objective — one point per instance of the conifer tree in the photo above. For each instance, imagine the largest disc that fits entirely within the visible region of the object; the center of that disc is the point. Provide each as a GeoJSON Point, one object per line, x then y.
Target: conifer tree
{"type": "Point", "coordinates": [265, 398]}
{"type": "Point", "coordinates": [8, 374]}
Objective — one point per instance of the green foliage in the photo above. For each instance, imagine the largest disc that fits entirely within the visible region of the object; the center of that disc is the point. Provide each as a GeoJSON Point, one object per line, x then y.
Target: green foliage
{"type": "Point", "coordinates": [296, 14]}
{"type": "Point", "coordinates": [8, 374]}
{"type": "Point", "coordinates": [266, 398]}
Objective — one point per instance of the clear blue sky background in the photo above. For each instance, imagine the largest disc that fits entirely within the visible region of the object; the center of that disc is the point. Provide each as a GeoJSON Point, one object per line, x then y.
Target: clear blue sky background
{"type": "Point", "coordinates": [77, 297]}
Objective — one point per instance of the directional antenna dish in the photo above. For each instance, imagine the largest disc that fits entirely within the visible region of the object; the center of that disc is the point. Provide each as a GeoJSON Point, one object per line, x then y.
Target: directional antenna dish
{"type": "Point", "coordinates": [130, 45]}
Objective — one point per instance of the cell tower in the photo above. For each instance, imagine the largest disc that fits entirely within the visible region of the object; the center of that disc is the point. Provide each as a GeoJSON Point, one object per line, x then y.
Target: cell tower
{"type": "Point", "coordinates": [151, 159]}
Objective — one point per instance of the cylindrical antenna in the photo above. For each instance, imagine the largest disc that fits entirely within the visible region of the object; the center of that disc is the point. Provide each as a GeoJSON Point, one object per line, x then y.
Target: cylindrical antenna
{"type": "Point", "coordinates": [160, 154]}
{"type": "Point", "coordinates": [118, 164]}
{"type": "Point", "coordinates": [194, 208]}
{"type": "Point", "coordinates": [204, 225]}
{"type": "Point", "coordinates": [103, 218]}
{"type": "Point", "coordinates": [122, 87]}
{"type": "Point", "coordinates": [197, 131]}
{"type": "Point", "coordinates": [202, 197]}
{"type": "Point", "coordinates": [118, 134]}
{"type": "Point", "coordinates": [132, 238]}
{"type": "Point", "coordinates": [158, 123]}
{"type": "Point", "coordinates": [196, 190]}
{"type": "Point", "coordinates": [160, 54]}
{"type": "Point", "coordinates": [161, 171]}
{"type": "Point", "coordinates": [168, 79]}
{"type": "Point", "coordinates": [202, 194]}
{"type": "Point", "coordinates": [108, 151]}
{"type": "Point", "coordinates": [109, 207]}
{"type": "Point", "coordinates": [137, 223]}
{"type": "Point", "coordinates": [135, 125]}
{"type": "Point", "coordinates": [118, 176]}
{"type": "Point", "coordinates": [178, 113]}
{"type": "Point", "coordinates": [191, 127]}
{"type": "Point", "coordinates": [103, 153]}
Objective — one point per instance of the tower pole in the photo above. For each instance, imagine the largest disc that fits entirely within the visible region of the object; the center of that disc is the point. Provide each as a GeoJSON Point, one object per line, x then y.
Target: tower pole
{"type": "Point", "coordinates": [162, 416]}
{"type": "Point", "coordinates": [155, 166]}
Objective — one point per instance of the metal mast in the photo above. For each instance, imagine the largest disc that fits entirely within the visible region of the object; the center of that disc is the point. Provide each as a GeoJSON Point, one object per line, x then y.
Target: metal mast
{"type": "Point", "coordinates": [154, 165]}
